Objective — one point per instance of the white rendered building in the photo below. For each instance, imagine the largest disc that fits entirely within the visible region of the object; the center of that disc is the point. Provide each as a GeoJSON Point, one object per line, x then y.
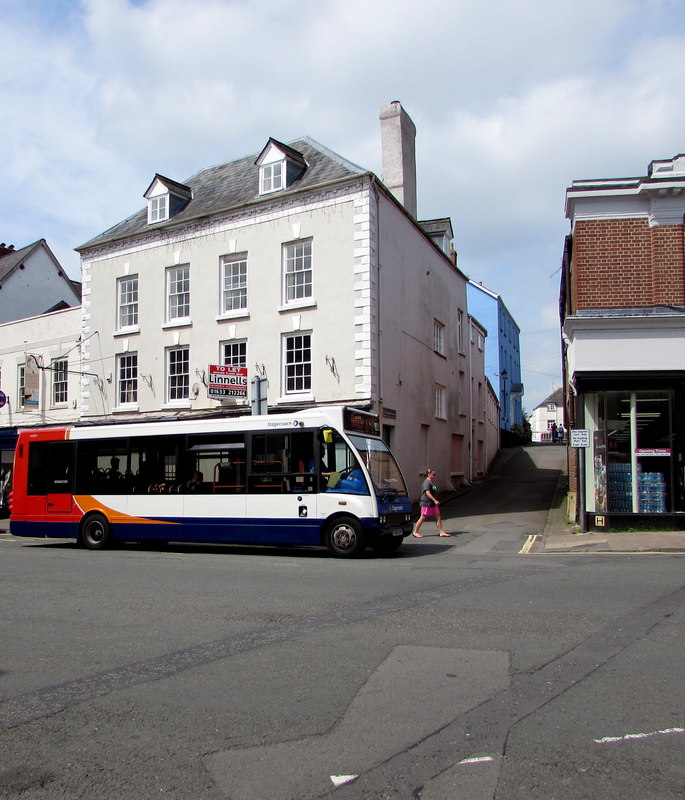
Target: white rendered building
{"type": "Point", "coordinates": [295, 268]}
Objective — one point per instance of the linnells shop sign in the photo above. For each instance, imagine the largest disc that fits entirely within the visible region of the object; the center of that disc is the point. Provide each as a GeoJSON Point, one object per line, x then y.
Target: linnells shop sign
{"type": "Point", "coordinates": [227, 382]}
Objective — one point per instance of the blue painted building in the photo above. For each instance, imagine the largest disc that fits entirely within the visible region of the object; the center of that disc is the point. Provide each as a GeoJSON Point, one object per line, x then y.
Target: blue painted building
{"type": "Point", "coordinates": [502, 351]}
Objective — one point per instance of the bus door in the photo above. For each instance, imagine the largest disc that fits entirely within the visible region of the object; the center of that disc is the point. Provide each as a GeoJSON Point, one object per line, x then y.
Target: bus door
{"type": "Point", "coordinates": [282, 490]}
{"type": "Point", "coordinates": [60, 477]}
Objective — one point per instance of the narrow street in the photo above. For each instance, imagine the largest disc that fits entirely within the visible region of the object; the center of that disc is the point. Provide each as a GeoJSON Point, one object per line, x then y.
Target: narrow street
{"type": "Point", "coordinates": [513, 503]}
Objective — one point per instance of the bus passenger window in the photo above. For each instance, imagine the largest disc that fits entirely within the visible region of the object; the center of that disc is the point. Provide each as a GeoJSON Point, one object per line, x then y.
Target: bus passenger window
{"type": "Point", "coordinates": [38, 459]}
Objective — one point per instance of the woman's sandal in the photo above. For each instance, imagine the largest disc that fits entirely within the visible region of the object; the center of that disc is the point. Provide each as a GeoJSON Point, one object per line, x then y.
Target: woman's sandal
{"type": "Point", "coordinates": [418, 535]}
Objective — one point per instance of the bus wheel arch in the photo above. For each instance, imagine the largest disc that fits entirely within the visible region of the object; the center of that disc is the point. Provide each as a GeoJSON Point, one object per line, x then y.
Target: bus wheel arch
{"type": "Point", "coordinates": [344, 536]}
{"type": "Point", "coordinates": [95, 532]}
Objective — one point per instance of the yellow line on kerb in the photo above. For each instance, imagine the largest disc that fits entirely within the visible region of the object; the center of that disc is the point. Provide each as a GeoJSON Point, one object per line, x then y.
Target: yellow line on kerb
{"type": "Point", "coordinates": [530, 541]}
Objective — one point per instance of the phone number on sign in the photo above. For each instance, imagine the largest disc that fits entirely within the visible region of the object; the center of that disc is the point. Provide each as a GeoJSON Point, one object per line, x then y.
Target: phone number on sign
{"type": "Point", "coordinates": [223, 392]}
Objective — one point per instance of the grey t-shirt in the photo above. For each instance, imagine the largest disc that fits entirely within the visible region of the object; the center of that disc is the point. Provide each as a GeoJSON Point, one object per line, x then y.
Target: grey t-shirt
{"type": "Point", "coordinates": [427, 486]}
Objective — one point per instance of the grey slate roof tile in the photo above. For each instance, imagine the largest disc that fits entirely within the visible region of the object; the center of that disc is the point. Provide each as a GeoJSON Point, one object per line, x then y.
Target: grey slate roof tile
{"type": "Point", "coordinates": [229, 186]}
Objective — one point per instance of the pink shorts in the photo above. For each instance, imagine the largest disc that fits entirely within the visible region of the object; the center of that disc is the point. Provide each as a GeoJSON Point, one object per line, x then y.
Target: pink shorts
{"type": "Point", "coordinates": [429, 511]}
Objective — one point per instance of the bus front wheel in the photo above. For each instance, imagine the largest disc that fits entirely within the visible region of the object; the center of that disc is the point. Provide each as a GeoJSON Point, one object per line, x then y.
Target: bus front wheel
{"type": "Point", "coordinates": [95, 532]}
{"type": "Point", "coordinates": [345, 538]}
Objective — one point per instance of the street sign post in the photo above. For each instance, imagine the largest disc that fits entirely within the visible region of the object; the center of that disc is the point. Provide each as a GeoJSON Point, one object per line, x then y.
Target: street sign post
{"type": "Point", "coordinates": [259, 399]}
{"type": "Point", "coordinates": [580, 438]}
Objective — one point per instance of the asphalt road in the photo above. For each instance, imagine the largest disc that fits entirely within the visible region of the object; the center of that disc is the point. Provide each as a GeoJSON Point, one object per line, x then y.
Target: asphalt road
{"type": "Point", "coordinates": [456, 668]}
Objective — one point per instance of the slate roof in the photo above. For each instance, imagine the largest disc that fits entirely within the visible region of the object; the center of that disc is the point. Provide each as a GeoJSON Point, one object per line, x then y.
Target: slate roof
{"type": "Point", "coordinates": [10, 261]}
{"type": "Point", "coordinates": [556, 397]}
{"type": "Point", "coordinates": [229, 186]}
{"type": "Point", "coordinates": [13, 259]}
{"type": "Point", "coordinates": [442, 225]}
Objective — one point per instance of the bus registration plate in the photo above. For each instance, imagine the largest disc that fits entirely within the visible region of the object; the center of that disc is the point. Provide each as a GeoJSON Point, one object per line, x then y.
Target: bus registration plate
{"type": "Point", "coordinates": [397, 532]}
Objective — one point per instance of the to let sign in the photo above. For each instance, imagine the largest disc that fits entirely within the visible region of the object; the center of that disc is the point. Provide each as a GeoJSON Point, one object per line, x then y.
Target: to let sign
{"type": "Point", "coordinates": [227, 382]}
{"type": "Point", "coordinates": [580, 438]}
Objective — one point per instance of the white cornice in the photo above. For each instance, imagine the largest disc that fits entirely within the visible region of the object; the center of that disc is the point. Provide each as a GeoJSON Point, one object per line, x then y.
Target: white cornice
{"type": "Point", "coordinates": [662, 201]}
{"type": "Point", "coordinates": [574, 325]}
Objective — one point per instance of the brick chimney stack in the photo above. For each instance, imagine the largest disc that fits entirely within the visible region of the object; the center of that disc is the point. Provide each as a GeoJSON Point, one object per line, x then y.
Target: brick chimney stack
{"type": "Point", "coordinates": [4, 250]}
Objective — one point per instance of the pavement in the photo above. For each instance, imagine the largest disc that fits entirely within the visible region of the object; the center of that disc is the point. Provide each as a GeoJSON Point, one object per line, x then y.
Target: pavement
{"type": "Point", "coordinates": [561, 536]}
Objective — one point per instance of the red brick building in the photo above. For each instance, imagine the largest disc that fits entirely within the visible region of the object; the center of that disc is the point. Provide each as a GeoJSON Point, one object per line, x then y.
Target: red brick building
{"type": "Point", "coordinates": [622, 308]}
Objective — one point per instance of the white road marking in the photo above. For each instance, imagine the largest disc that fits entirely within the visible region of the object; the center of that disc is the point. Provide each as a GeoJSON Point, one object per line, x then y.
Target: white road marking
{"type": "Point", "coordinates": [629, 736]}
{"type": "Point", "coordinates": [341, 780]}
{"type": "Point", "coordinates": [478, 760]}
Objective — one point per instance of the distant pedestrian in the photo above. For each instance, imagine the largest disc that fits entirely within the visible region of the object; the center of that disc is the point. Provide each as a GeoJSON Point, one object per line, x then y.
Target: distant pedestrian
{"type": "Point", "coordinates": [554, 431]}
{"type": "Point", "coordinates": [430, 506]}
{"type": "Point", "coordinates": [560, 433]}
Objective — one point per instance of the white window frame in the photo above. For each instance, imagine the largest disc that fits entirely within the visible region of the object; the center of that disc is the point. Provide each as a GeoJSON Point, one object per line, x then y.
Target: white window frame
{"type": "Point", "coordinates": [127, 379]}
{"type": "Point", "coordinates": [440, 396]}
{"type": "Point", "coordinates": [127, 302]}
{"type": "Point", "coordinates": [438, 337]}
{"type": "Point", "coordinates": [23, 395]}
{"type": "Point", "coordinates": [158, 208]}
{"type": "Point", "coordinates": [272, 177]}
{"type": "Point", "coordinates": [460, 331]}
{"type": "Point", "coordinates": [177, 381]}
{"type": "Point", "coordinates": [21, 385]}
{"type": "Point", "coordinates": [234, 353]}
{"type": "Point", "coordinates": [178, 293]}
{"type": "Point", "coordinates": [233, 284]}
{"type": "Point", "coordinates": [60, 381]}
{"type": "Point", "coordinates": [298, 272]}
{"type": "Point", "coordinates": [297, 370]}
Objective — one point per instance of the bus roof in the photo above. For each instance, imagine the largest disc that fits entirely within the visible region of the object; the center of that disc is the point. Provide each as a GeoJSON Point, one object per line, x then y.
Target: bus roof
{"type": "Point", "coordinates": [310, 417]}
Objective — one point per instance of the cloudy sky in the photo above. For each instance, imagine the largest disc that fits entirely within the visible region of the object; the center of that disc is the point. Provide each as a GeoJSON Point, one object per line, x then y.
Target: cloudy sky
{"type": "Point", "coordinates": [512, 100]}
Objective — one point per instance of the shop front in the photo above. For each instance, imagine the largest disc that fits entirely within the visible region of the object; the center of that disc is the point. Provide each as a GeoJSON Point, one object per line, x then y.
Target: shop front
{"type": "Point", "coordinates": [634, 473]}
{"type": "Point", "coordinates": [8, 440]}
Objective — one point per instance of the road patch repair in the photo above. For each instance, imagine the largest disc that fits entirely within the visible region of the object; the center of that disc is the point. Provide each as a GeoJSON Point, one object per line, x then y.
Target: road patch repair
{"type": "Point", "coordinates": [412, 694]}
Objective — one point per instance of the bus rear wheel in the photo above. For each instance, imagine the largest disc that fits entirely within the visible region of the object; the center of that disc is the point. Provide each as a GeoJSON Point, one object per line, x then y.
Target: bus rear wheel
{"type": "Point", "coordinates": [95, 533]}
{"type": "Point", "coordinates": [344, 537]}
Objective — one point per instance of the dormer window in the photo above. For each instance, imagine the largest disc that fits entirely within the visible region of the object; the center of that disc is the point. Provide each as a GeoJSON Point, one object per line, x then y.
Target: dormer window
{"type": "Point", "coordinates": [279, 167]}
{"type": "Point", "coordinates": [271, 177]}
{"type": "Point", "coordinates": [157, 208]}
{"type": "Point", "coordinates": [165, 198]}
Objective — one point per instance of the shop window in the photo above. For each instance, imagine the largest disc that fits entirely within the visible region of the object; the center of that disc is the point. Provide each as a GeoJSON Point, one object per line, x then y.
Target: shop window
{"type": "Point", "coordinates": [631, 459]}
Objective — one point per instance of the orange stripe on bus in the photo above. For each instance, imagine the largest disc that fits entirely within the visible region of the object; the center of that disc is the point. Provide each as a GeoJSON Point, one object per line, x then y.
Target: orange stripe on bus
{"type": "Point", "coordinates": [88, 503]}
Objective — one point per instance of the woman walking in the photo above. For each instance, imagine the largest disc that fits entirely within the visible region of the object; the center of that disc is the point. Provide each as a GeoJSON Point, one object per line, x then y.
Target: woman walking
{"type": "Point", "coordinates": [430, 506]}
